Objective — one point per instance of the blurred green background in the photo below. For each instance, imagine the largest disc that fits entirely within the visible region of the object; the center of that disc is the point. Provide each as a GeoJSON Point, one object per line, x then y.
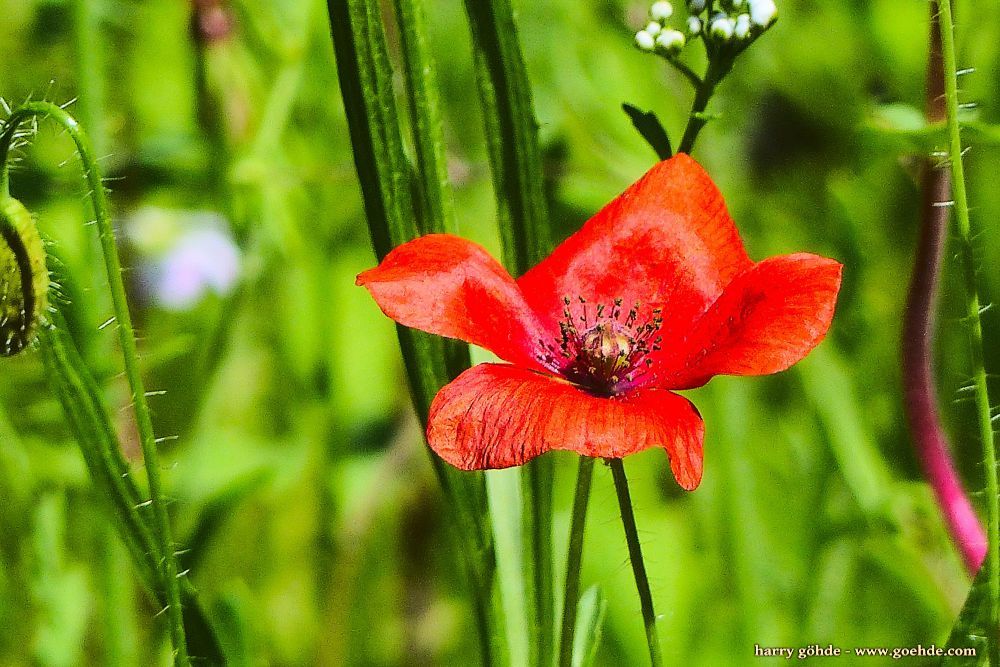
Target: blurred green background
{"type": "Point", "coordinates": [298, 478]}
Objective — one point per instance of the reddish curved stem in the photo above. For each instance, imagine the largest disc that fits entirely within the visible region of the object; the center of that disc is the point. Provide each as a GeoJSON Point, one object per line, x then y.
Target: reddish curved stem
{"type": "Point", "coordinates": [919, 394]}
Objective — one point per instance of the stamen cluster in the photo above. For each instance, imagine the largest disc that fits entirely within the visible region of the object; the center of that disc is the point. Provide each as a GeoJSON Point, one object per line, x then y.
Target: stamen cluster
{"type": "Point", "coordinates": [608, 354]}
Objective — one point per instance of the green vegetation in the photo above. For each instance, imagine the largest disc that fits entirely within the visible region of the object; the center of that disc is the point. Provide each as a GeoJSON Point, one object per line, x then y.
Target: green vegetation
{"type": "Point", "coordinates": [308, 516]}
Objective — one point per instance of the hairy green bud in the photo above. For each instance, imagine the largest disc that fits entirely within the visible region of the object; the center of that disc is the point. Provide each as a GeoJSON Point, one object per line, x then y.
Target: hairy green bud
{"type": "Point", "coordinates": [24, 278]}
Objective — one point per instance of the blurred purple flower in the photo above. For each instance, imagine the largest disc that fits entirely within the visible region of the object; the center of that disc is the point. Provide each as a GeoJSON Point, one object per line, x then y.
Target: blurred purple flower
{"type": "Point", "coordinates": [200, 261]}
{"type": "Point", "coordinates": [203, 260]}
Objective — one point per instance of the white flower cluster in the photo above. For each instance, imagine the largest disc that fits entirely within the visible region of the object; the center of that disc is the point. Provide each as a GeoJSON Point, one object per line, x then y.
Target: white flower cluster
{"type": "Point", "coordinates": [658, 37]}
{"type": "Point", "coordinates": [737, 20]}
{"type": "Point", "coordinates": [730, 21]}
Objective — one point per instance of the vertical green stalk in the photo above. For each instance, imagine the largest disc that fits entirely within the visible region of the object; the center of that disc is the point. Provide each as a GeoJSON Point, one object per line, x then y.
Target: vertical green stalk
{"type": "Point", "coordinates": [511, 135]}
{"type": "Point", "coordinates": [516, 164]}
{"type": "Point", "coordinates": [635, 556]}
{"type": "Point", "coordinates": [975, 327]}
{"type": "Point", "coordinates": [571, 599]}
{"type": "Point", "coordinates": [425, 118]}
{"type": "Point", "coordinates": [126, 337]}
{"type": "Point", "coordinates": [718, 67]}
{"type": "Point", "coordinates": [386, 180]}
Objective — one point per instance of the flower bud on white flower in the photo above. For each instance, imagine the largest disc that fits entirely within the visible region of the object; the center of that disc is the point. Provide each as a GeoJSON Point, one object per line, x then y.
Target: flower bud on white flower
{"type": "Point", "coordinates": [671, 41]}
{"type": "Point", "coordinates": [696, 6]}
{"type": "Point", "coordinates": [694, 25]}
{"type": "Point", "coordinates": [722, 29]}
{"type": "Point", "coordinates": [645, 41]}
{"type": "Point", "coordinates": [661, 11]}
{"type": "Point", "coordinates": [742, 28]}
{"type": "Point", "coordinates": [763, 12]}
{"type": "Point", "coordinates": [654, 28]}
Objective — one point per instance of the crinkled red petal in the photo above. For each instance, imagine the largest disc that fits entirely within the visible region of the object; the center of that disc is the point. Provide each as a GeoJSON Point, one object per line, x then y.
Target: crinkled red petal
{"type": "Point", "coordinates": [498, 416]}
{"type": "Point", "coordinates": [770, 317]}
{"type": "Point", "coordinates": [667, 241]}
{"type": "Point", "coordinates": [450, 286]}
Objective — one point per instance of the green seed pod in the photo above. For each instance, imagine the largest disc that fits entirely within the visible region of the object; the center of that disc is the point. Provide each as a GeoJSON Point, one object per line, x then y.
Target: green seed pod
{"type": "Point", "coordinates": [24, 278]}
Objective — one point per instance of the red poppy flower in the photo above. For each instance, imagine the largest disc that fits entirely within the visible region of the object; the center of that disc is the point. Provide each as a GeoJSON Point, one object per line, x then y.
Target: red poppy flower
{"type": "Point", "coordinates": [655, 293]}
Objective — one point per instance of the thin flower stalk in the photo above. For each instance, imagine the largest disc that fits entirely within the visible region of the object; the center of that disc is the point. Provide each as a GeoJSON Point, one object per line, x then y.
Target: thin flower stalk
{"type": "Point", "coordinates": [571, 597]}
{"type": "Point", "coordinates": [635, 557]}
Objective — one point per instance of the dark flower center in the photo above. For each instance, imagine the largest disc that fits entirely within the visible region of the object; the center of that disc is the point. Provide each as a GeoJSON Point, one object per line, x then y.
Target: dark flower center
{"type": "Point", "coordinates": [600, 350]}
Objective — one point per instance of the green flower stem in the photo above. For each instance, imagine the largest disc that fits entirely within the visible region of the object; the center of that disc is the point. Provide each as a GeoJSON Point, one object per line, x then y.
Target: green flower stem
{"type": "Point", "coordinates": [975, 327]}
{"type": "Point", "coordinates": [635, 555]}
{"type": "Point", "coordinates": [387, 179]}
{"type": "Point", "coordinates": [571, 599]}
{"type": "Point", "coordinates": [688, 73]}
{"type": "Point", "coordinates": [516, 164]}
{"type": "Point", "coordinates": [126, 337]}
{"type": "Point", "coordinates": [704, 90]}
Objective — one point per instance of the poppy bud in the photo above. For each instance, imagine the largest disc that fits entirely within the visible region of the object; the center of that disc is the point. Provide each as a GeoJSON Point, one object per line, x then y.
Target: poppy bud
{"type": "Point", "coordinates": [24, 278]}
{"type": "Point", "coordinates": [694, 25]}
{"type": "Point", "coordinates": [696, 6]}
{"type": "Point", "coordinates": [653, 28]}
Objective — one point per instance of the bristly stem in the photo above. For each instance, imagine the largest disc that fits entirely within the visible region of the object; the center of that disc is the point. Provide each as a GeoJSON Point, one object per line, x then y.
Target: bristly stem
{"type": "Point", "coordinates": [975, 327]}
{"type": "Point", "coordinates": [126, 337]}
{"type": "Point", "coordinates": [571, 598]}
{"type": "Point", "coordinates": [919, 323]}
{"type": "Point", "coordinates": [635, 556]}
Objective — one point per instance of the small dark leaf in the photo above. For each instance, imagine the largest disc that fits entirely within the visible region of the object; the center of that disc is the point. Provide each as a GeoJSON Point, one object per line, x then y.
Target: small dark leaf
{"type": "Point", "coordinates": [651, 129]}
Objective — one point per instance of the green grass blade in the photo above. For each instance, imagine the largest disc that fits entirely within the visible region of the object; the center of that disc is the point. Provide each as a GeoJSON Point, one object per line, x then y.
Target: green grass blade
{"type": "Point", "coordinates": [516, 164]}
{"type": "Point", "coordinates": [438, 214]}
{"type": "Point", "coordinates": [511, 134]}
{"type": "Point", "coordinates": [385, 176]}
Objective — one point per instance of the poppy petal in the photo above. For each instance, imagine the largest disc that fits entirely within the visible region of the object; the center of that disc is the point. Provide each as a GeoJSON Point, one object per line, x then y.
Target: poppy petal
{"type": "Point", "coordinates": [498, 416]}
{"type": "Point", "coordinates": [450, 286]}
{"type": "Point", "coordinates": [667, 240]}
{"type": "Point", "coordinates": [770, 317]}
